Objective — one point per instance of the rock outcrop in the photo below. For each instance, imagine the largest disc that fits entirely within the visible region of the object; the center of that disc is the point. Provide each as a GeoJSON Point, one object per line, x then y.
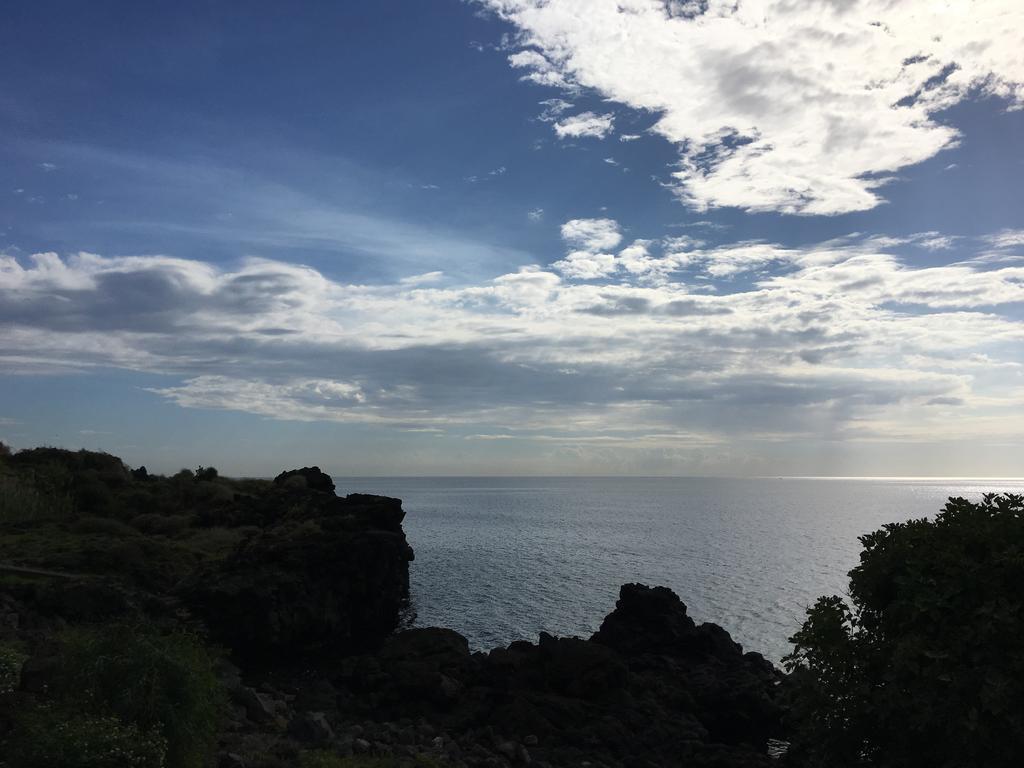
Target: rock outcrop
{"type": "Point", "coordinates": [267, 569]}
{"type": "Point", "coordinates": [306, 589]}
{"type": "Point", "coordinates": [322, 574]}
{"type": "Point", "coordinates": [650, 688]}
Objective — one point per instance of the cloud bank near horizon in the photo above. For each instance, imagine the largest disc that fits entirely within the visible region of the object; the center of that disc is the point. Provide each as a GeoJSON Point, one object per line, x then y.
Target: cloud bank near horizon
{"type": "Point", "coordinates": [663, 344]}
{"type": "Point", "coordinates": [803, 108]}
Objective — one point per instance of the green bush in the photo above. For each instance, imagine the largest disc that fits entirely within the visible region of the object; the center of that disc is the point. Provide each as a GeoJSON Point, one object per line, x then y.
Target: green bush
{"type": "Point", "coordinates": [156, 682]}
{"type": "Point", "coordinates": [28, 499]}
{"type": "Point", "coordinates": [11, 660]}
{"type": "Point", "coordinates": [927, 667]}
{"type": "Point", "coordinates": [161, 525]}
{"type": "Point", "coordinates": [50, 738]}
{"type": "Point", "coordinates": [206, 473]}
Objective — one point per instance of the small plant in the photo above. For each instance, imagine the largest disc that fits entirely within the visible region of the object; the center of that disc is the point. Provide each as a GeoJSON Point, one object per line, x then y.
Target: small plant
{"type": "Point", "coordinates": [157, 682]}
{"type": "Point", "coordinates": [11, 660]}
{"type": "Point", "coordinates": [51, 737]}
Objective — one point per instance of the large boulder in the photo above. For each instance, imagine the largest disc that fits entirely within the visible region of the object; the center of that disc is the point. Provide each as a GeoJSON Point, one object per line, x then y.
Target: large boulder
{"type": "Point", "coordinates": [647, 620]}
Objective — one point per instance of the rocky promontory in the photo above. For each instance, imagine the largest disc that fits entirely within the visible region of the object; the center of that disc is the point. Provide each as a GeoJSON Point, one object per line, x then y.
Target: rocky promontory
{"type": "Point", "coordinates": [270, 613]}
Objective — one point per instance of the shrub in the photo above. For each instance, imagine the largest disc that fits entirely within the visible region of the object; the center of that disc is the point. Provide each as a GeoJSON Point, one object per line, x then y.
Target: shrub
{"type": "Point", "coordinates": [51, 737]}
{"type": "Point", "coordinates": [162, 525]}
{"type": "Point", "coordinates": [926, 668]}
{"type": "Point", "coordinates": [206, 473]}
{"type": "Point", "coordinates": [11, 660]}
{"type": "Point", "coordinates": [25, 499]}
{"type": "Point", "coordinates": [155, 681]}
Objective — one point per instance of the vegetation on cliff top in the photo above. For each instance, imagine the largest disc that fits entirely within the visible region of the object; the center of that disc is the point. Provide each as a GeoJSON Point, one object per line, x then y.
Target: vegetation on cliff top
{"type": "Point", "coordinates": [925, 666]}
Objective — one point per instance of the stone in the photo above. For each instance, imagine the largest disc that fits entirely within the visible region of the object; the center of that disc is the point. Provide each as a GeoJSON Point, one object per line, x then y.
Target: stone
{"type": "Point", "coordinates": [259, 707]}
{"type": "Point", "coordinates": [647, 620]}
{"type": "Point", "coordinates": [508, 749]}
{"type": "Point", "coordinates": [310, 727]}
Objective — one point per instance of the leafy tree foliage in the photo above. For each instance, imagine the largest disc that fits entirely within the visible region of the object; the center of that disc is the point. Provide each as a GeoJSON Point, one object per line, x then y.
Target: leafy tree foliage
{"type": "Point", "coordinates": [206, 473]}
{"type": "Point", "coordinates": [926, 668]}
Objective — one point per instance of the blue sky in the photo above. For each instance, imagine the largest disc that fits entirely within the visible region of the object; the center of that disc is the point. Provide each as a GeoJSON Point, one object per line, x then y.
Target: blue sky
{"type": "Point", "coordinates": [512, 237]}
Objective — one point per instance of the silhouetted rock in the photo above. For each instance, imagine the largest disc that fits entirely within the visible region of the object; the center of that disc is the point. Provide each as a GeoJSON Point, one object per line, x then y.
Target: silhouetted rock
{"type": "Point", "coordinates": [647, 620]}
{"type": "Point", "coordinates": [305, 589]}
{"type": "Point", "coordinates": [322, 574]}
{"type": "Point", "coordinates": [308, 477]}
{"type": "Point", "coordinates": [651, 688]}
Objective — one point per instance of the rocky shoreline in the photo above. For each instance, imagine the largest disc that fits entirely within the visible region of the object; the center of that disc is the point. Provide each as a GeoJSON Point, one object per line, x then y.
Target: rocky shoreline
{"type": "Point", "coordinates": [649, 688]}
{"type": "Point", "coordinates": [304, 591]}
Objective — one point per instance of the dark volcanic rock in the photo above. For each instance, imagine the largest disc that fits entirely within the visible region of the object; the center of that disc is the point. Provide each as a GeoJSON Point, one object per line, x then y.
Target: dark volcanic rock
{"type": "Point", "coordinates": [307, 477]}
{"type": "Point", "coordinates": [734, 693]}
{"type": "Point", "coordinates": [651, 688]}
{"type": "Point", "coordinates": [323, 574]}
{"type": "Point", "coordinates": [648, 620]}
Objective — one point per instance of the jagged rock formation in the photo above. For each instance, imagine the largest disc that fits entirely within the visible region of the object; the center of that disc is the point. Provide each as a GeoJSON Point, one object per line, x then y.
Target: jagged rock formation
{"type": "Point", "coordinates": [304, 589]}
{"type": "Point", "coordinates": [323, 574]}
{"type": "Point", "coordinates": [650, 688]}
{"type": "Point", "coordinates": [267, 568]}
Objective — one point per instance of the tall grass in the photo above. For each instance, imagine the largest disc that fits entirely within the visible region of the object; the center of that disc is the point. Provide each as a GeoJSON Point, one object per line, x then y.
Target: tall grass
{"type": "Point", "coordinates": [23, 499]}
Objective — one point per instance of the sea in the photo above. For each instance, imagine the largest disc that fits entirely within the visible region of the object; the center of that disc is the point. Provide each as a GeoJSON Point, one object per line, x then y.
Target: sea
{"type": "Point", "coordinates": [504, 558]}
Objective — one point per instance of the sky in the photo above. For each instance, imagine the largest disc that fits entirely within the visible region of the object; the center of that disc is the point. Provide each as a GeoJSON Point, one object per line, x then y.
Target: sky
{"type": "Point", "coordinates": [516, 237]}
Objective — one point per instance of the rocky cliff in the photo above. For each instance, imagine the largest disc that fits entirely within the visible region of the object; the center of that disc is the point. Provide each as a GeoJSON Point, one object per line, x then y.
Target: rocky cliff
{"type": "Point", "coordinates": [305, 590]}
{"type": "Point", "coordinates": [651, 688]}
{"type": "Point", "coordinates": [264, 568]}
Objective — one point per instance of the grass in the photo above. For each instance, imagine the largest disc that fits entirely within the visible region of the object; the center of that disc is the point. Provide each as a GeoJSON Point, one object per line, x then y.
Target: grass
{"type": "Point", "coordinates": [157, 682]}
{"type": "Point", "coordinates": [22, 500]}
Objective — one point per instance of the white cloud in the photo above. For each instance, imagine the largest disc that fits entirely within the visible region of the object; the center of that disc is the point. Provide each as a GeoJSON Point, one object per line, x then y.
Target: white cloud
{"type": "Point", "coordinates": [493, 173]}
{"type": "Point", "coordinates": [805, 107]}
{"type": "Point", "coordinates": [541, 71]}
{"type": "Point", "coordinates": [933, 241]}
{"type": "Point", "coordinates": [1008, 238]}
{"type": "Point", "coordinates": [583, 125]}
{"type": "Point", "coordinates": [424, 279]}
{"type": "Point", "coordinates": [592, 234]}
{"type": "Point", "coordinates": [629, 137]}
{"type": "Point", "coordinates": [552, 109]}
{"type": "Point", "coordinates": [585, 265]}
{"type": "Point", "coordinates": [840, 341]}
{"type": "Point", "coordinates": [535, 214]}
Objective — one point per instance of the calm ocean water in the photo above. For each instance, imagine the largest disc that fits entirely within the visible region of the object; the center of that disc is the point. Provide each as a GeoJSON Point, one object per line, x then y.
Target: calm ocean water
{"type": "Point", "coordinates": [501, 559]}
